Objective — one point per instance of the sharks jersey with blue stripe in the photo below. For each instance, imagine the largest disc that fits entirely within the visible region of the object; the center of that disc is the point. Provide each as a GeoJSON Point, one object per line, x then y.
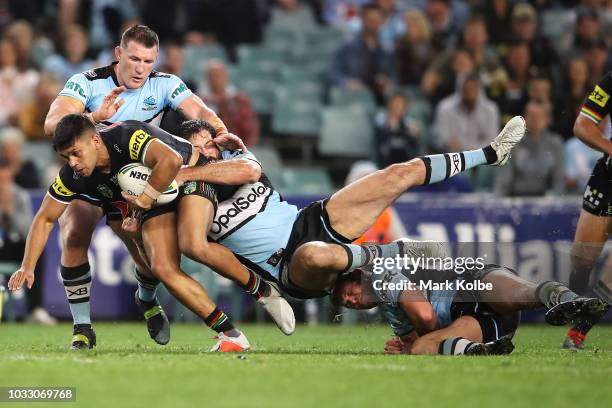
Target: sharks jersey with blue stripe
{"type": "Point", "coordinates": [440, 300]}
{"type": "Point", "coordinates": [158, 93]}
{"type": "Point", "coordinates": [254, 222]}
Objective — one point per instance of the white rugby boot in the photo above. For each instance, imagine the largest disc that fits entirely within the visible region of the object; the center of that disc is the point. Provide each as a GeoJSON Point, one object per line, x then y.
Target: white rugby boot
{"type": "Point", "coordinates": [510, 135]}
{"type": "Point", "coordinates": [279, 309]}
{"type": "Point", "coordinates": [227, 344]}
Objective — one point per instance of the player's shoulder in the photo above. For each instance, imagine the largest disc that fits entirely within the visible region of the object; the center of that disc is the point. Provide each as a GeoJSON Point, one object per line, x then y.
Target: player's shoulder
{"type": "Point", "coordinates": [99, 73]}
{"type": "Point", "coordinates": [161, 75]}
{"type": "Point", "coordinates": [67, 182]}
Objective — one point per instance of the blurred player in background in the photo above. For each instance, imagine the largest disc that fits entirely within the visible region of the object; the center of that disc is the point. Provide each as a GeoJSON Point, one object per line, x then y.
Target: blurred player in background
{"type": "Point", "coordinates": [594, 223]}
{"type": "Point", "coordinates": [145, 96]}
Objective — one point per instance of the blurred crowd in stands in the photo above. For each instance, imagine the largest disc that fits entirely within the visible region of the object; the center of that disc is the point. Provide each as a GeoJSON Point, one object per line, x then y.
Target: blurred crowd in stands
{"type": "Point", "coordinates": [313, 86]}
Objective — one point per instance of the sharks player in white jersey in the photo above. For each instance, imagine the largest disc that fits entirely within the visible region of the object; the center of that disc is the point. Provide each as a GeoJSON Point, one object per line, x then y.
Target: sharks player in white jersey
{"type": "Point", "coordinates": [127, 89]}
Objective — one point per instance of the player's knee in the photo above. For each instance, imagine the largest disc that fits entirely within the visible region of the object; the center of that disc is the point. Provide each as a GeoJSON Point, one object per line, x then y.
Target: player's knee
{"type": "Point", "coordinates": [74, 237]}
{"type": "Point", "coordinates": [313, 255]}
{"type": "Point", "coordinates": [164, 271]}
{"type": "Point", "coordinates": [196, 250]}
{"type": "Point", "coordinates": [400, 175]}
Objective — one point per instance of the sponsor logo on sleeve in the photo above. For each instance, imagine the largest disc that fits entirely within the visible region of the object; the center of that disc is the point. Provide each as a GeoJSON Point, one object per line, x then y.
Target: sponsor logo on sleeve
{"type": "Point", "coordinates": [137, 141]}
{"type": "Point", "coordinates": [599, 96]}
{"type": "Point", "coordinates": [178, 90]}
{"type": "Point", "coordinates": [74, 87]}
{"type": "Point", "coordinates": [60, 189]}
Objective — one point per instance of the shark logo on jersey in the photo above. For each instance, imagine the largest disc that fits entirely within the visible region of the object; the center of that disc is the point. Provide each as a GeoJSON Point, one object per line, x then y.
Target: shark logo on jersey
{"type": "Point", "coordinates": [150, 104]}
{"type": "Point", "coordinates": [246, 203]}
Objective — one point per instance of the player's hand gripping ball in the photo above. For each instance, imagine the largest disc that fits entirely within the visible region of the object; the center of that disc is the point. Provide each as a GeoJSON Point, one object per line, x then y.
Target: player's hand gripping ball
{"type": "Point", "coordinates": [134, 177]}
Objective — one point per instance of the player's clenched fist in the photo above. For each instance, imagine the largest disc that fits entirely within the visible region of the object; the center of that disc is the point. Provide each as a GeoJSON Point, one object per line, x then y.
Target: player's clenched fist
{"type": "Point", "coordinates": [19, 277]}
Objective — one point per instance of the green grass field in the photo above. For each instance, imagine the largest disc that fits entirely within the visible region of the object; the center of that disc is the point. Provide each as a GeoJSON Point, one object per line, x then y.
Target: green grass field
{"type": "Point", "coordinates": [318, 366]}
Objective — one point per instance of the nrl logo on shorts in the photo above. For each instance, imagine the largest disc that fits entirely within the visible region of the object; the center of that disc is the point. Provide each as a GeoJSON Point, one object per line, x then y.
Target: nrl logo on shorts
{"type": "Point", "coordinates": [189, 187]}
{"type": "Point", "coordinates": [105, 190]}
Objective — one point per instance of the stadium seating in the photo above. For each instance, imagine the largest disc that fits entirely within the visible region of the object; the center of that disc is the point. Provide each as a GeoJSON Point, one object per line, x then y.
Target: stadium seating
{"type": "Point", "coordinates": [296, 114]}
{"type": "Point", "coordinates": [196, 58]}
{"type": "Point", "coordinates": [346, 132]}
{"type": "Point", "coordinates": [258, 85]}
{"type": "Point", "coordinates": [306, 181]}
{"type": "Point", "coordinates": [271, 163]}
{"type": "Point", "coordinates": [260, 58]}
{"type": "Point", "coordinates": [344, 96]}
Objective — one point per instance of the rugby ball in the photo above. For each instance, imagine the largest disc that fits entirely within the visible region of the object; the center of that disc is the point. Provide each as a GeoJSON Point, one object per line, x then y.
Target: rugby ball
{"type": "Point", "coordinates": [133, 178]}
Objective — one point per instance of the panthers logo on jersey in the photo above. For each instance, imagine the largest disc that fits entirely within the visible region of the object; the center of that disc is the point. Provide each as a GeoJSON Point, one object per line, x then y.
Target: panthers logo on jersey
{"type": "Point", "coordinates": [599, 96]}
{"type": "Point", "coordinates": [60, 189]}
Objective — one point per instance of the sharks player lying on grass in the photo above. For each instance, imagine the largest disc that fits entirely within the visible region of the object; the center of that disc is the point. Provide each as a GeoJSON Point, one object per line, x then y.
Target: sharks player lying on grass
{"type": "Point", "coordinates": [475, 312]}
{"type": "Point", "coordinates": [305, 251]}
{"type": "Point", "coordinates": [94, 159]}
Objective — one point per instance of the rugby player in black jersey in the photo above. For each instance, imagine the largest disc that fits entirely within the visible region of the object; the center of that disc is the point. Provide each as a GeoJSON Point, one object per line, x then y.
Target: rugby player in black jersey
{"type": "Point", "coordinates": [94, 158]}
{"type": "Point", "coordinates": [595, 222]}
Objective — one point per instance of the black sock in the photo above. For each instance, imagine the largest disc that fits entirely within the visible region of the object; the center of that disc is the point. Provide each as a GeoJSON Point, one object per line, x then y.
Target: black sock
{"type": "Point", "coordinates": [552, 293]}
{"type": "Point", "coordinates": [256, 286]}
{"type": "Point", "coordinates": [77, 284]}
{"type": "Point", "coordinates": [219, 322]}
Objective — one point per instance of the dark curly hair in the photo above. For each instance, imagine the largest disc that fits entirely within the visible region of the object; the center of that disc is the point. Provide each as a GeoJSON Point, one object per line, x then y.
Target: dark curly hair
{"type": "Point", "coordinates": [191, 127]}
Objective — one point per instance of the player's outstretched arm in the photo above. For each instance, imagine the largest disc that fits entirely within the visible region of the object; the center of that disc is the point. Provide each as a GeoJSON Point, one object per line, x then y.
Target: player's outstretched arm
{"type": "Point", "coordinates": [230, 172]}
{"type": "Point", "coordinates": [41, 227]}
{"type": "Point", "coordinates": [419, 311]}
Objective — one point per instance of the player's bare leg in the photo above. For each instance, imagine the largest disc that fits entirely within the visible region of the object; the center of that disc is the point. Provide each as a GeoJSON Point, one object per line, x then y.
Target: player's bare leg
{"type": "Point", "coordinates": [354, 208]}
{"type": "Point", "coordinates": [159, 237]}
{"type": "Point", "coordinates": [158, 325]}
{"type": "Point", "coordinates": [195, 218]}
{"type": "Point", "coordinates": [511, 293]}
{"type": "Point", "coordinates": [592, 233]}
{"type": "Point", "coordinates": [77, 225]}
{"type": "Point", "coordinates": [465, 327]}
